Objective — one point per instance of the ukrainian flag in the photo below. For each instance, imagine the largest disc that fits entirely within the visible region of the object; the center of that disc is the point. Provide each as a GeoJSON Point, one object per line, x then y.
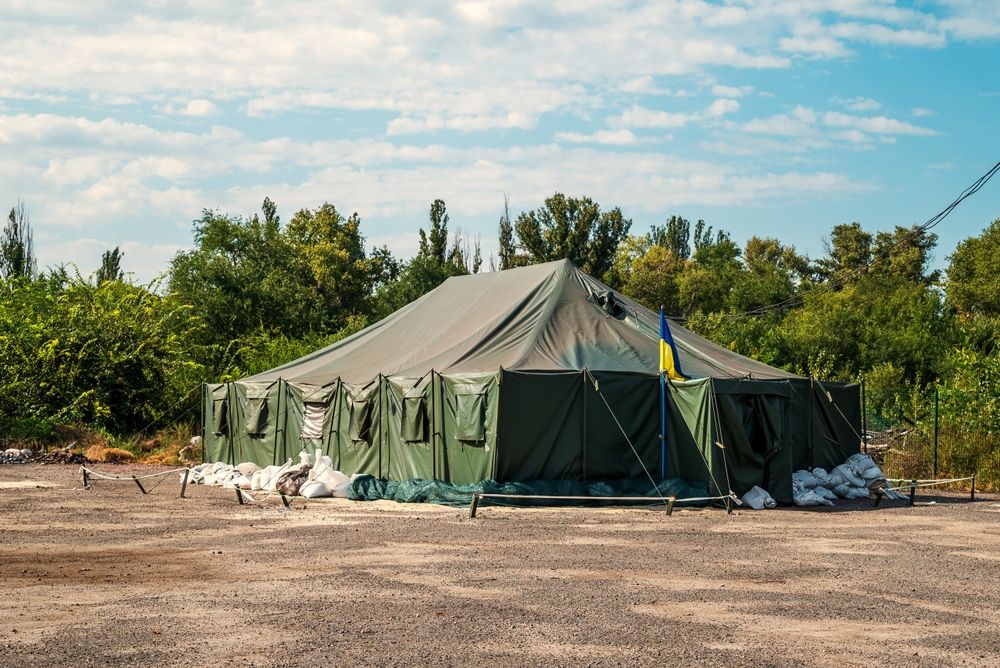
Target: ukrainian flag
{"type": "Point", "coordinates": [670, 364]}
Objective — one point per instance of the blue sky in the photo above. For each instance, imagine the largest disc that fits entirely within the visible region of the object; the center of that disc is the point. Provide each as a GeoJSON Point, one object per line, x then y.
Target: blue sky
{"type": "Point", "coordinates": [120, 121]}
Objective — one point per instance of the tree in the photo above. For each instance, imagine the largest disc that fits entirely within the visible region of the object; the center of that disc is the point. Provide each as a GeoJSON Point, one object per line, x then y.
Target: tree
{"type": "Point", "coordinates": [17, 252]}
{"type": "Point", "coordinates": [675, 236]}
{"type": "Point", "coordinates": [253, 278]}
{"type": "Point", "coordinates": [906, 254]}
{"type": "Point", "coordinates": [432, 265]}
{"type": "Point", "coordinates": [505, 238]}
{"type": "Point", "coordinates": [849, 253]}
{"type": "Point", "coordinates": [575, 229]}
{"type": "Point", "coordinates": [973, 285]}
{"type": "Point", "coordinates": [111, 266]}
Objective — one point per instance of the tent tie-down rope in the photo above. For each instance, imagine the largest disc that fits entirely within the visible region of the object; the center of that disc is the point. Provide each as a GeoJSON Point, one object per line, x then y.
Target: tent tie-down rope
{"type": "Point", "coordinates": [910, 484]}
{"type": "Point", "coordinates": [597, 389]}
{"type": "Point", "coordinates": [89, 473]}
{"type": "Point", "coordinates": [671, 501]}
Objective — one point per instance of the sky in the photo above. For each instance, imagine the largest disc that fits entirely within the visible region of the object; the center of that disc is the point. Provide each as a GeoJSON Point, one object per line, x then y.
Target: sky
{"type": "Point", "coordinates": [122, 120]}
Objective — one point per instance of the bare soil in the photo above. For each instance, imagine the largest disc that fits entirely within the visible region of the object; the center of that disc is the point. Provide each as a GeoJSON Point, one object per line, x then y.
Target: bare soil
{"type": "Point", "coordinates": [109, 577]}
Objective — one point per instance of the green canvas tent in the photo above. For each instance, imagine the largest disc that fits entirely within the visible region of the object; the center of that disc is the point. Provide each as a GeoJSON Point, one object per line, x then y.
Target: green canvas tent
{"type": "Point", "coordinates": [536, 373]}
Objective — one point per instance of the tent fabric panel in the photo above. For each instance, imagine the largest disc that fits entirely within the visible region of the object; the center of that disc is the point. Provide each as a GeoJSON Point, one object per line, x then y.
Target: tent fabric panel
{"type": "Point", "coordinates": [632, 399]}
{"type": "Point", "coordinates": [541, 426]}
{"type": "Point", "coordinates": [467, 461]}
{"type": "Point", "coordinates": [546, 317]}
{"type": "Point", "coordinates": [216, 446]}
{"type": "Point", "coordinates": [691, 436]}
{"type": "Point", "coordinates": [408, 453]}
{"type": "Point", "coordinates": [836, 423]}
{"type": "Point", "coordinates": [358, 434]}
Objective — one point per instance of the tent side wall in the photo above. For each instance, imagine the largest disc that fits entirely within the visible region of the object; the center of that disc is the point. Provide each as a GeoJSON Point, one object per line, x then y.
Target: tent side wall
{"type": "Point", "coordinates": [435, 427]}
{"type": "Point", "coordinates": [559, 426]}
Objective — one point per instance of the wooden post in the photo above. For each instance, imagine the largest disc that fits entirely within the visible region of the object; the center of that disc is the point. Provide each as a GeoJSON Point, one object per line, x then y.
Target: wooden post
{"type": "Point", "coordinates": [239, 496]}
{"type": "Point", "coordinates": [972, 494]}
{"type": "Point", "coordinates": [913, 491]}
{"type": "Point", "coordinates": [184, 481]}
{"type": "Point", "coordinates": [670, 505]}
{"type": "Point", "coordinates": [141, 488]}
{"type": "Point", "coordinates": [473, 506]}
{"type": "Point", "coordinates": [86, 478]}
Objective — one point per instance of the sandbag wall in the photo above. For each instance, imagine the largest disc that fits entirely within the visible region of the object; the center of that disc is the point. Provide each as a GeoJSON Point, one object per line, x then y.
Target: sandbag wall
{"type": "Point", "coordinates": [767, 430]}
{"type": "Point", "coordinates": [433, 427]}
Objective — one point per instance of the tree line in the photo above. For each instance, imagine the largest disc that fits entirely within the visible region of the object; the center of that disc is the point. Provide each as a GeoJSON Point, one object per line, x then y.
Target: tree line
{"type": "Point", "coordinates": [256, 291]}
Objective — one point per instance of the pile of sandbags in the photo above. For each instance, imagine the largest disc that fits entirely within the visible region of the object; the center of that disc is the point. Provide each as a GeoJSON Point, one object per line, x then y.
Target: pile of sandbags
{"type": "Point", "coordinates": [857, 478]}
{"type": "Point", "coordinates": [312, 477]}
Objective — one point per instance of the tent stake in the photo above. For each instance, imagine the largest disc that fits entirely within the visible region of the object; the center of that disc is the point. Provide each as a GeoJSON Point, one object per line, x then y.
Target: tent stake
{"type": "Point", "coordinates": [141, 488]}
{"type": "Point", "coordinates": [239, 496]}
{"type": "Point", "coordinates": [86, 478]}
{"type": "Point", "coordinates": [284, 500]}
{"type": "Point", "coordinates": [184, 482]}
{"type": "Point", "coordinates": [473, 506]}
{"type": "Point", "coordinates": [878, 498]}
{"type": "Point", "coordinates": [670, 506]}
{"type": "Point", "coordinates": [972, 493]}
{"type": "Point", "coordinates": [913, 491]}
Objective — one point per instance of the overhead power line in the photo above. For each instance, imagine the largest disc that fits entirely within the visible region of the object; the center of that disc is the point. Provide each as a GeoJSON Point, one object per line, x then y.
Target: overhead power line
{"type": "Point", "coordinates": [836, 282]}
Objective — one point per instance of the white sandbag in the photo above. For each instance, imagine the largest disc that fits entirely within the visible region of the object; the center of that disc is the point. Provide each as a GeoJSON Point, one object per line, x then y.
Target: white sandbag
{"type": "Point", "coordinates": [305, 459]}
{"type": "Point", "coordinates": [852, 478]}
{"type": "Point", "coordinates": [810, 498]}
{"type": "Point", "coordinates": [865, 467]}
{"type": "Point", "coordinates": [247, 468]}
{"type": "Point", "coordinates": [822, 477]}
{"type": "Point", "coordinates": [857, 493]}
{"type": "Point", "coordinates": [255, 480]}
{"type": "Point", "coordinates": [758, 499]}
{"type": "Point", "coordinates": [825, 493]}
{"type": "Point", "coordinates": [805, 479]}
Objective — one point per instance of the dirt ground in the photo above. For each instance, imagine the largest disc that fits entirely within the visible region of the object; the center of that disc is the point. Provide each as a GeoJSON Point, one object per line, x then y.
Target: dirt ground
{"type": "Point", "coordinates": [109, 577]}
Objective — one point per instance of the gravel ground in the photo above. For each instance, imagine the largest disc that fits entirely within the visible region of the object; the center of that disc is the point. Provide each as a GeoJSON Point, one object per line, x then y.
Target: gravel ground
{"type": "Point", "coordinates": [108, 577]}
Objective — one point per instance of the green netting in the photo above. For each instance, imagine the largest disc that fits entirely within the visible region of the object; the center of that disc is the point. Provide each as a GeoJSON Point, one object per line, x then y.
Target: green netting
{"type": "Point", "coordinates": [369, 488]}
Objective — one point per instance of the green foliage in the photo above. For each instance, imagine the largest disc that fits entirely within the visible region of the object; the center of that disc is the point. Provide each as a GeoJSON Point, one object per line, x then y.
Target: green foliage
{"type": "Point", "coordinates": [572, 228]}
{"type": "Point", "coordinates": [111, 266]}
{"type": "Point", "coordinates": [114, 355]}
{"type": "Point", "coordinates": [17, 252]}
{"type": "Point", "coordinates": [973, 285]}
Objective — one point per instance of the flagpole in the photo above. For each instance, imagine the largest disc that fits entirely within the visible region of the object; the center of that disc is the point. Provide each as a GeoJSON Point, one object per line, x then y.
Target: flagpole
{"type": "Point", "coordinates": [663, 411]}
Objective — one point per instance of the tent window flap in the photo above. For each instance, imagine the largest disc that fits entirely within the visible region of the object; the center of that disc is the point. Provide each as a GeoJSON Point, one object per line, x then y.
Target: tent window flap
{"type": "Point", "coordinates": [469, 417]}
{"type": "Point", "coordinates": [256, 416]}
{"type": "Point", "coordinates": [414, 419]}
{"type": "Point", "coordinates": [361, 420]}
{"type": "Point", "coordinates": [312, 419]}
{"type": "Point", "coordinates": [220, 408]}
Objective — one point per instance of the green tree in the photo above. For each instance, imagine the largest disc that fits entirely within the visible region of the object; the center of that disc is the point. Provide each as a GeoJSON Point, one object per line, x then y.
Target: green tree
{"type": "Point", "coordinates": [973, 275]}
{"type": "Point", "coordinates": [575, 229]}
{"type": "Point", "coordinates": [432, 265]}
{"type": "Point", "coordinates": [111, 266]}
{"type": "Point", "coordinates": [17, 251]}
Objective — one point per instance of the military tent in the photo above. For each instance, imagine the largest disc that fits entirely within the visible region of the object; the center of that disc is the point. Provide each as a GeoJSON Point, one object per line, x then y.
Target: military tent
{"type": "Point", "coordinates": [535, 373]}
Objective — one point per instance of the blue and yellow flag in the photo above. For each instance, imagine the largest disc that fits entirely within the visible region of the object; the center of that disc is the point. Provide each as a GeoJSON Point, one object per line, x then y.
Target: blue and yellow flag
{"type": "Point", "coordinates": [669, 362]}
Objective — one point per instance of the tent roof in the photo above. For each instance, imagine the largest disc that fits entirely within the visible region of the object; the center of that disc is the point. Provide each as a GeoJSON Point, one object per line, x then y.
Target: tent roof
{"type": "Point", "coordinates": [545, 317]}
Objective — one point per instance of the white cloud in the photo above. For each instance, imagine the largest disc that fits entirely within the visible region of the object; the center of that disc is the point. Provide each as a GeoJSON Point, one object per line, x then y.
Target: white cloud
{"type": "Point", "coordinates": [875, 124]}
{"type": "Point", "coordinates": [858, 103]}
{"type": "Point", "coordinates": [721, 107]}
{"type": "Point", "coordinates": [731, 91]}
{"type": "Point", "coordinates": [641, 117]}
{"type": "Point", "coordinates": [920, 112]}
{"type": "Point", "coordinates": [612, 137]}
{"type": "Point", "coordinates": [199, 107]}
